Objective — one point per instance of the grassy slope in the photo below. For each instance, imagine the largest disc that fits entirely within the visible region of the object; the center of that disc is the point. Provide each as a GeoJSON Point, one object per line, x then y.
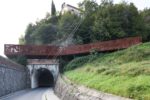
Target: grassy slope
{"type": "Point", "coordinates": [125, 73]}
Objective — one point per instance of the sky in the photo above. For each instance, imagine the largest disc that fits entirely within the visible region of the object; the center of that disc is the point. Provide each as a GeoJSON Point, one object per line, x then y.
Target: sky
{"type": "Point", "coordinates": [15, 15]}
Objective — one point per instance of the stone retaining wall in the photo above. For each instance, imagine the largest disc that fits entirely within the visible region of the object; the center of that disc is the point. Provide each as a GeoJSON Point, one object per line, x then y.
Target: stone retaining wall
{"type": "Point", "coordinates": [13, 77]}
{"type": "Point", "coordinates": [66, 90]}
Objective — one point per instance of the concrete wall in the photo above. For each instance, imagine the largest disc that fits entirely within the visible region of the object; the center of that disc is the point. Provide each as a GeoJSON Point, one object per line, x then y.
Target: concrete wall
{"type": "Point", "coordinates": [13, 77]}
{"type": "Point", "coordinates": [66, 90]}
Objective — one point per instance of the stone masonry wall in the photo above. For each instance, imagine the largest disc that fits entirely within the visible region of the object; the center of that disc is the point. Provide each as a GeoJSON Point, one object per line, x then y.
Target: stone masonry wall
{"type": "Point", "coordinates": [66, 90]}
{"type": "Point", "coordinates": [13, 77]}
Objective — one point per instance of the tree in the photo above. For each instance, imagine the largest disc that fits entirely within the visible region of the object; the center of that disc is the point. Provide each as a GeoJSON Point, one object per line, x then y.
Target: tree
{"type": "Point", "coordinates": [21, 40]}
{"type": "Point", "coordinates": [114, 21]}
{"type": "Point", "coordinates": [28, 34]}
{"type": "Point", "coordinates": [146, 27]}
{"type": "Point", "coordinates": [19, 59]}
{"type": "Point", "coordinates": [67, 23]}
{"type": "Point", "coordinates": [97, 23]}
{"type": "Point", "coordinates": [85, 32]}
{"type": "Point", "coordinates": [53, 9]}
{"type": "Point", "coordinates": [45, 34]}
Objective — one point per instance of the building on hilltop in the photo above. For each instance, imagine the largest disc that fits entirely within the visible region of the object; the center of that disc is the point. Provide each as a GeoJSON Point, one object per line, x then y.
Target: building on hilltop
{"type": "Point", "coordinates": [69, 8]}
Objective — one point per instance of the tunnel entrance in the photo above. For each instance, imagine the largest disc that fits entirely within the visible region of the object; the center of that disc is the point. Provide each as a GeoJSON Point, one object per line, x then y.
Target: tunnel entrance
{"type": "Point", "coordinates": [45, 78]}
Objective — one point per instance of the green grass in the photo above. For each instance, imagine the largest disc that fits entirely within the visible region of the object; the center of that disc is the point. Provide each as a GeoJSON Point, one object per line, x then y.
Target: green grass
{"type": "Point", "coordinates": [125, 73]}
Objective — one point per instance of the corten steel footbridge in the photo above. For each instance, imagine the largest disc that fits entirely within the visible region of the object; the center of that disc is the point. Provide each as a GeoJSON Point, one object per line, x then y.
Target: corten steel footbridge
{"type": "Point", "coordinates": [52, 50]}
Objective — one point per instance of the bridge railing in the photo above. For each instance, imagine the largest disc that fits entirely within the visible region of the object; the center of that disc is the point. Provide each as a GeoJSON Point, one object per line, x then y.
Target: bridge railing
{"type": "Point", "coordinates": [102, 46]}
{"type": "Point", "coordinates": [46, 50]}
{"type": "Point", "coordinates": [29, 50]}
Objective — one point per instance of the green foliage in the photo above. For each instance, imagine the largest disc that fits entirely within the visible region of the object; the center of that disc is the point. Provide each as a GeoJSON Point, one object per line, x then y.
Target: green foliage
{"type": "Point", "coordinates": [51, 28]}
{"type": "Point", "coordinates": [116, 21]}
{"type": "Point", "coordinates": [126, 86]}
{"type": "Point", "coordinates": [106, 21]}
{"type": "Point", "coordinates": [85, 33]}
{"type": "Point", "coordinates": [48, 34]}
{"type": "Point", "coordinates": [80, 61]}
{"type": "Point", "coordinates": [21, 40]}
{"type": "Point", "coordinates": [125, 73]}
{"type": "Point", "coordinates": [146, 27]}
{"type": "Point", "coordinates": [43, 32]}
{"type": "Point", "coordinates": [135, 90]}
{"type": "Point", "coordinates": [28, 34]}
{"type": "Point", "coordinates": [67, 22]}
{"type": "Point", "coordinates": [93, 52]}
{"type": "Point", "coordinates": [53, 9]}
{"type": "Point", "coordinates": [19, 59]}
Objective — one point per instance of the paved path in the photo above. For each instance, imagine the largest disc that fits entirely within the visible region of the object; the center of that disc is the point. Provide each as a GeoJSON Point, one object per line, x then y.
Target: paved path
{"type": "Point", "coordinates": [32, 94]}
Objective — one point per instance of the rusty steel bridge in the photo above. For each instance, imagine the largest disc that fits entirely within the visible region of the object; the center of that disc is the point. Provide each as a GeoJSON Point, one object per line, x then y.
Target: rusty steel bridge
{"type": "Point", "coordinates": [51, 50]}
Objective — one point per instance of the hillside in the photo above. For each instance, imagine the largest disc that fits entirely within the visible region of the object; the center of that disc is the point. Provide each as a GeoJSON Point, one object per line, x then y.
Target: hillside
{"type": "Point", "coordinates": [125, 73]}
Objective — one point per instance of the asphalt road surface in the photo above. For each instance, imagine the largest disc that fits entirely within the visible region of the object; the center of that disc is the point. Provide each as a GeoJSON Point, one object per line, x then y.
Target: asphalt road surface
{"type": "Point", "coordinates": [32, 94]}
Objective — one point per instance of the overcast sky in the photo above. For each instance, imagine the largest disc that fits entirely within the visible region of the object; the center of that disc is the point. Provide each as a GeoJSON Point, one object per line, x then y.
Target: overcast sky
{"type": "Point", "coordinates": [15, 15]}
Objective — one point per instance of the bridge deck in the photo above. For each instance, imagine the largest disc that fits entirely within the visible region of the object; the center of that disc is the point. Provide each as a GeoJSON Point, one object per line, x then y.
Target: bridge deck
{"type": "Point", "coordinates": [46, 50]}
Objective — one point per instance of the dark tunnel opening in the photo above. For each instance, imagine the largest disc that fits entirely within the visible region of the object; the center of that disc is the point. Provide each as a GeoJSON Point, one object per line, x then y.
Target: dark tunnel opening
{"type": "Point", "coordinates": [45, 78]}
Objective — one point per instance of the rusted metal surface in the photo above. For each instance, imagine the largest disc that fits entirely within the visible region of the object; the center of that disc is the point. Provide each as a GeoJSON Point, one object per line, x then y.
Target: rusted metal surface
{"type": "Point", "coordinates": [102, 46]}
{"type": "Point", "coordinates": [45, 50]}
{"type": "Point", "coordinates": [30, 50]}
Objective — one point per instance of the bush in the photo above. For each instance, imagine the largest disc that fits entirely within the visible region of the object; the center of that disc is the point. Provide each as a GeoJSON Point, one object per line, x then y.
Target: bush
{"type": "Point", "coordinates": [100, 70]}
{"type": "Point", "coordinates": [78, 62]}
{"type": "Point", "coordinates": [134, 90]}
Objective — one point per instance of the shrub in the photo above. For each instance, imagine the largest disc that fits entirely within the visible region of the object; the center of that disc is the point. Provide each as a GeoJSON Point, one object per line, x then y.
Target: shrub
{"type": "Point", "coordinates": [78, 62]}
{"type": "Point", "coordinates": [100, 70]}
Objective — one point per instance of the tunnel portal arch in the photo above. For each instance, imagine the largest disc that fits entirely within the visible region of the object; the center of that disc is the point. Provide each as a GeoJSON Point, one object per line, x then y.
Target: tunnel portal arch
{"type": "Point", "coordinates": [45, 78]}
{"type": "Point", "coordinates": [43, 73]}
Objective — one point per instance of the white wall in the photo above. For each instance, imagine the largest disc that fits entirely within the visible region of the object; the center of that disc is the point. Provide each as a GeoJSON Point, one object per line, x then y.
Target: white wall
{"type": "Point", "coordinates": [70, 9]}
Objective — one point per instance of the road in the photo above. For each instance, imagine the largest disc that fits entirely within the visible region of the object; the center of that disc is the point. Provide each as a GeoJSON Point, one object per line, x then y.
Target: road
{"type": "Point", "coordinates": [32, 94]}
